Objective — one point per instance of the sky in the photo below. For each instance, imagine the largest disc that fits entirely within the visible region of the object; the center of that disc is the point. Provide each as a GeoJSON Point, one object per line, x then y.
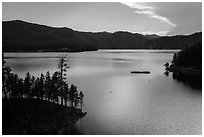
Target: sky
{"type": "Point", "coordinates": [166, 18]}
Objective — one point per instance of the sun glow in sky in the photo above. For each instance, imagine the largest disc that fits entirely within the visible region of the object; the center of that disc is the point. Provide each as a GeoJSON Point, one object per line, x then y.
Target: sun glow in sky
{"type": "Point", "coordinates": [166, 18]}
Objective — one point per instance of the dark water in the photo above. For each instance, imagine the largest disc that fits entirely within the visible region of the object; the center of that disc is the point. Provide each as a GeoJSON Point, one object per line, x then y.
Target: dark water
{"type": "Point", "coordinates": [118, 102]}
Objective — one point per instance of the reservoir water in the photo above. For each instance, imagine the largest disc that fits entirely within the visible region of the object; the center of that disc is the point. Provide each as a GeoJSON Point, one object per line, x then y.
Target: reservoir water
{"type": "Point", "coordinates": [118, 102]}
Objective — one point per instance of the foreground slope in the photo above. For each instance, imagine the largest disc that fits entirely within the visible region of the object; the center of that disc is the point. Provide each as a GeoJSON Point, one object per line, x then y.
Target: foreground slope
{"type": "Point", "coordinates": [35, 117]}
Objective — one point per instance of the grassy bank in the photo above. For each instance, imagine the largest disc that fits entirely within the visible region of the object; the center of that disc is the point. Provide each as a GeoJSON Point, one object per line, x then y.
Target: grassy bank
{"type": "Point", "coordinates": [32, 116]}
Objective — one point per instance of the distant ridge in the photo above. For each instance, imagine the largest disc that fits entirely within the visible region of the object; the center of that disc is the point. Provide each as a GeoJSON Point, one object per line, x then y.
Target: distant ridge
{"type": "Point", "coordinates": [152, 36]}
{"type": "Point", "coordinates": [21, 36]}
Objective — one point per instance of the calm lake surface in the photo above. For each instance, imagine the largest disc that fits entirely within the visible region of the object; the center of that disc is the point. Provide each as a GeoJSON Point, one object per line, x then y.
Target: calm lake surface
{"type": "Point", "coordinates": [118, 102]}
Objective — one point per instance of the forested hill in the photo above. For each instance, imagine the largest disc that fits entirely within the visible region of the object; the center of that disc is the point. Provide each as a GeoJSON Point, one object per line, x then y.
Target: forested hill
{"type": "Point", "coordinates": [174, 42]}
{"type": "Point", "coordinates": [23, 36]}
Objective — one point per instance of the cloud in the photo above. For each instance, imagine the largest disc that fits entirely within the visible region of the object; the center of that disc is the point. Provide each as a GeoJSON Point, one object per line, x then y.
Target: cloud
{"type": "Point", "coordinates": [149, 11]}
{"type": "Point", "coordinates": [160, 33]}
{"type": "Point", "coordinates": [137, 6]}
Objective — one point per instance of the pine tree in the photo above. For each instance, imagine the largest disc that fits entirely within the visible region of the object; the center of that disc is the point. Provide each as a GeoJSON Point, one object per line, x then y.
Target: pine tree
{"type": "Point", "coordinates": [81, 98]}
{"type": "Point", "coordinates": [32, 86]}
{"type": "Point", "coordinates": [42, 86]}
{"type": "Point", "coordinates": [62, 65]}
{"type": "Point", "coordinates": [48, 86]}
{"type": "Point", "coordinates": [27, 85]}
{"type": "Point", "coordinates": [73, 95]}
{"type": "Point", "coordinates": [6, 72]}
{"type": "Point", "coordinates": [55, 86]}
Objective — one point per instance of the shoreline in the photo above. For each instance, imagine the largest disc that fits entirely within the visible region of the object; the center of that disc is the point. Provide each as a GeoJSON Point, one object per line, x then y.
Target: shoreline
{"type": "Point", "coordinates": [184, 70]}
{"type": "Point", "coordinates": [45, 51]}
{"type": "Point", "coordinates": [190, 76]}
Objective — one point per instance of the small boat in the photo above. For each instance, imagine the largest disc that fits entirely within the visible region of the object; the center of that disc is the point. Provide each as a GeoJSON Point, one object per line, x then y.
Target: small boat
{"type": "Point", "coordinates": [140, 72]}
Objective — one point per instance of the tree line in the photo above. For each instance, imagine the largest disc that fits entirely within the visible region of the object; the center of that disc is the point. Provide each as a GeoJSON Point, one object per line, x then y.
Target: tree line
{"type": "Point", "coordinates": [46, 87]}
{"type": "Point", "coordinates": [189, 57]}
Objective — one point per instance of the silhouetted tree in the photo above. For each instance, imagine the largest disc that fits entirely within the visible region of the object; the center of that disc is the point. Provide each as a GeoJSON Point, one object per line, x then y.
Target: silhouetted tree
{"type": "Point", "coordinates": [62, 69]}
{"type": "Point", "coordinates": [20, 88]}
{"type": "Point", "coordinates": [37, 88]}
{"type": "Point", "coordinates": [32, 86]}
{"type": "Point", "coordinates": [76, 99]}
{"type": "Point", "coordinates": [6, 72]}
{"type": "Point", "coordinates": [14, 83]}
{"type": "Point", "coordinates": [42, 86]}
{"type": "Point", "coordinates": [48, 86]}
{"type": "Point", "coordinates": [73, 96]}
{"type": "Point", "coordinates": [55, 85]}
{"type": "Point", "coordinates": [81, 99]}
{"type": "Point", "coordinates": [66, 93]}
{"type": "Point", "coordinates": [27, 85]}
{"type": "Point", "coordinates": [166, 65]}
{"type": "Point", "coordinates": [3, 77]}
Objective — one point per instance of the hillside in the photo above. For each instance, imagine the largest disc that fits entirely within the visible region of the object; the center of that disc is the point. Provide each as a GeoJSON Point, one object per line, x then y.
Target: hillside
{"type": "Point", "coordinates": [174, 42]}
{"type": "Point", "coordinates": [36, 117]}
{"type": "Point", "coordinates": [23, 36]}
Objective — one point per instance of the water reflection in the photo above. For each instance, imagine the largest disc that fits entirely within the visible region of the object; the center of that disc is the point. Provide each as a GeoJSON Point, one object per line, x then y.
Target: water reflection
{"type": "Point", "coordinates": [71, 130]}
{"type": "Point", "coordinates": [191, 80]}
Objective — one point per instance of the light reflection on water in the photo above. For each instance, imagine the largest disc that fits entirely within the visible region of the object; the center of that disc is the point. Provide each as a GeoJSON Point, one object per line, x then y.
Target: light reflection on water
{"type": "Point", "coordinates": [118, 102]}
